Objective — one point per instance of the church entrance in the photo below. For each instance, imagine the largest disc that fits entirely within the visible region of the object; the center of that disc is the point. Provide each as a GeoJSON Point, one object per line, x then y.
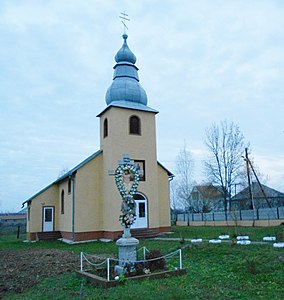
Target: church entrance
{"type": "Point", "coordinates": [48, 219]}
{"type": "Point", "coordinates": [141, 211]}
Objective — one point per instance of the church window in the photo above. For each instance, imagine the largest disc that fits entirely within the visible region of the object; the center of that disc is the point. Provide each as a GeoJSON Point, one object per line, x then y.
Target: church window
{"type": "Point", "coordinates": [69, 186]}
{"type": "Point", "coordinates": [62, 202]}
{"type": "Point", "coordinates": [105, 128]}
{"type": "Point", "coordinates": [142, 210]}
{"type": "Point", "coordinates": [134, 125]}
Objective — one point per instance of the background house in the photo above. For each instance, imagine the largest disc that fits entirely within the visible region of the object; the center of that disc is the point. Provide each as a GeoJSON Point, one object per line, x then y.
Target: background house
{"type": "Point", "coordinates": [206, 198]}
{"type": "Point", "coordinates": [263, 197]}
{"type": "Point", "coordinates": [13, 220]}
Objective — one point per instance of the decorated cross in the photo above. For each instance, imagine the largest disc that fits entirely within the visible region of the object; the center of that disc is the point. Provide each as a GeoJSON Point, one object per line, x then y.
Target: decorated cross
{"type": "Point", "coordinates": [127, 180]}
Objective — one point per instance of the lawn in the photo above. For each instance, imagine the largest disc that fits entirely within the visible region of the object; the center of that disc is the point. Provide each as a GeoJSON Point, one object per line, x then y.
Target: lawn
{"type": "Point", "coordinates": [214, 271]}
{"type": "Point", "coordinates": [212, 232]}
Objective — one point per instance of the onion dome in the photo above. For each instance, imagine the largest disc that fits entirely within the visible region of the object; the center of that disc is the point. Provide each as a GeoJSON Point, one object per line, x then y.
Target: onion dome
{"type": "Point", "coordinates": [125, 85]}
{"type": "Point", "coordinates": [124, 53]}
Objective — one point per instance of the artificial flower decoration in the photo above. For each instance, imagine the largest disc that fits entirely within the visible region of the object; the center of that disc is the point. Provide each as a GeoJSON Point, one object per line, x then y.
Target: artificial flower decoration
{"type": "Point", "coordinates": [127, 180]}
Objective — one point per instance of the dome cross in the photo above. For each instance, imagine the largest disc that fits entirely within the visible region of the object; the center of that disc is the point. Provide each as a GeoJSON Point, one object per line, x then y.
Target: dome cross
{"type": "Point", "coordinates": [124, 18]}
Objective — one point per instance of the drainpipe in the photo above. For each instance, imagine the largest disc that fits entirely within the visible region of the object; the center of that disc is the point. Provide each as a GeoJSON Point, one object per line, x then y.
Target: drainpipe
{"type": "Point", "coordinates": [73, 206]}
{"type": "Point", "coordinates": [171, 177]}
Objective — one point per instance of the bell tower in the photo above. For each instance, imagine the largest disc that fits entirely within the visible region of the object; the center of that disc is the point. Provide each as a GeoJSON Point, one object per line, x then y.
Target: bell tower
{"type": "Point", "coordinates": [127, 125]}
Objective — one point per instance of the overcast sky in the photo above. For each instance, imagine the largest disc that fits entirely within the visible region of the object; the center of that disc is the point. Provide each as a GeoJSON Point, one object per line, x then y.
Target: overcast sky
{"type": "Point", "coordinates": [199, 61]}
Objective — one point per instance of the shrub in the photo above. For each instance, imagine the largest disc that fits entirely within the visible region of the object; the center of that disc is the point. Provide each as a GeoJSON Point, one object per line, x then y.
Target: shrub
{"type": "Point", "coordinates": [157, 262]}
{"type": "Point", "coordinates": [251, 266]}
{"type": "Point", "coordinates": [280, 236]}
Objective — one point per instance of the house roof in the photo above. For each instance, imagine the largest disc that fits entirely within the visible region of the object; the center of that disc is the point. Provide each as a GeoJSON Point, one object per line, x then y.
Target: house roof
{"type": "Point", "coordinates": [257, 192]}
{"type": "Point", "coordinates": [170, 174]}
{"type": "Point", "coordinates": [13, 216]}
{"type": "Point", "coordinates": [69, 173]}
{"type": "Point", "coordinates": [66, 175]}
{"type": "Point", "coordinates": [23, 211]}
{"type": "Point", "coordinates": [208, 191]}
{"type": "Point", "coordinates": [74, 170]}
{"type": "Point", "coordinates": [129, 105]}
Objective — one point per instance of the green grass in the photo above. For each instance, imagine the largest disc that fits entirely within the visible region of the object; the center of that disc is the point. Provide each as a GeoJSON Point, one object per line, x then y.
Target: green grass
{"type": "Point", "coordinates": [211, 232]}
{"type": "Point", "coordinates": [214, 271]}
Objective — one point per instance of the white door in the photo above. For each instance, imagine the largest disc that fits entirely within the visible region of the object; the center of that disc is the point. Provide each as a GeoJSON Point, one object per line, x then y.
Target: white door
{"type": "Point", "coordinates": [48, 219]}
{"type": "Point", "coordinates": [141, 212]}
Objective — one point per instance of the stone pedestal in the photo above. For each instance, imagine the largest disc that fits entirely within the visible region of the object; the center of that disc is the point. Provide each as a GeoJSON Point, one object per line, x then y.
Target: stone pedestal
{"type": "Point", "coordinates": [127, 250]}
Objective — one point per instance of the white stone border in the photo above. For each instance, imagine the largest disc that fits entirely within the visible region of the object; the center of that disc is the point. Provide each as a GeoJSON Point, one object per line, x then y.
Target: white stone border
{"type": "Point", "coordinates": [278, 245]}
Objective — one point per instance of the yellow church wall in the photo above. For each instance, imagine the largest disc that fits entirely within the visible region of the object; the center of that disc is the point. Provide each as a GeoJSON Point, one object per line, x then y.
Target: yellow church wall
{"type": "Point", "coordinates": [139, 147]}
{"type": "Point", "coordinates": [92, 208]}
{"type": "Point", "coordinates": [88, 197]}
{"type": "Point", "coordinates": [112, 202]}
{"type": "Point", "coordinates": [164, 198]}
{"type": "Point", "coordinates": [119, 140]}
{"type": "Point", "coordinates": [97, 200]}
{"type": "Point", "coordinates": [46, 198]}
{"type": "Point", "coordinates": [64, 220]}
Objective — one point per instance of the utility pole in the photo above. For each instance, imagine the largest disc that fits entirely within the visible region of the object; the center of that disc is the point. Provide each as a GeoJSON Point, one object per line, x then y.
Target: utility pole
{"type": "Point", "coordinates": [250, 190]}
{"type": "Point", "coordinates": [261, 188]}
{"type": "Point", "coordinates": [248, 175]}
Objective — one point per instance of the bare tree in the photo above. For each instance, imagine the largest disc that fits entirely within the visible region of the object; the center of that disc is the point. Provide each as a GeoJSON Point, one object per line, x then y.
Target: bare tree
{"type": "Point", "coordinates": [175, 204]}
{"type": "Point", "coordinates": [174, 200]}
{"type": "Point", "coordinates": [225, 144]}
{"type": "Point", "coordinates": [205, 198]}
{"type": "Point", "coordinates": [184, 170]}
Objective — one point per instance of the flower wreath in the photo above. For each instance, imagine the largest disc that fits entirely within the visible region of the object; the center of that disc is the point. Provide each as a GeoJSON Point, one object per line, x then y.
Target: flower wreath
{"type": "Point", "coordinates": [128, 217]}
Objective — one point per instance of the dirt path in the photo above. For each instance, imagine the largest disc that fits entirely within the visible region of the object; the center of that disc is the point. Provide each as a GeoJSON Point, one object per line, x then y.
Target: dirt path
{"type": "Point", "coordinates": [21, 269]}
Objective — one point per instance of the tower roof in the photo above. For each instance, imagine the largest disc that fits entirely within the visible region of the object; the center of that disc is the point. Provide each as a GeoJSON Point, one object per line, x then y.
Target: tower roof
{"type": "Point", "coordinates": [124, 53]}
{"type": "Point", "coordinates": [125, 86]}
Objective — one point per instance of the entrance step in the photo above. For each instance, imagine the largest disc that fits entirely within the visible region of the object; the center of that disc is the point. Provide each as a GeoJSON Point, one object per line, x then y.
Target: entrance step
{"type": "Point", "coordinates": [49, 236]}
{"type": "Point", "coordinates": [144, 233]}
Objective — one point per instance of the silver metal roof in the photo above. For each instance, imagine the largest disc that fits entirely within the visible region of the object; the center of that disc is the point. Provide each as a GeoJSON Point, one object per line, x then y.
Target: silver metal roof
{"type": "Point", "coordinates": [125, 85]}
{"type": "Point", "coordinates": [66, 175]}
{"type": "Point", "coordinates": [129, 105]}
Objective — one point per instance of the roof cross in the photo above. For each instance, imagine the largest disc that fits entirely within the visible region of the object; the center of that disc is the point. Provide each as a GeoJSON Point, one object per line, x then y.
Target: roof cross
{"type": "Point", "coordinates": [124, 18]}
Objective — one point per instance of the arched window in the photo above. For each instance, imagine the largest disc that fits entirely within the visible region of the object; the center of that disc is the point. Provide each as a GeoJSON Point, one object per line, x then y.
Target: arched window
{"type": "Point", "coordinates": [62, 202]}
{"type": "Point", "coordinates": [134, 125]}
{"type": "Point", "coordinates": [105, 128]}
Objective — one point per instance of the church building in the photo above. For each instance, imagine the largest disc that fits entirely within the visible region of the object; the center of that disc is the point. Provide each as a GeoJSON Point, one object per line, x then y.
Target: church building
{"type": "Point", "coordinates": [84, 204]}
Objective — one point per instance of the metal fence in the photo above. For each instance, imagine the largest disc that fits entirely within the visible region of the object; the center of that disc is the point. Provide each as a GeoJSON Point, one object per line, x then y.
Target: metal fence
{"type": "Point", "coordinates": [275, 213]}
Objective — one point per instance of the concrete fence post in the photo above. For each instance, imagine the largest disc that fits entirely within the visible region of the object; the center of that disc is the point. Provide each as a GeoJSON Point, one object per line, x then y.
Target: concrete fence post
{"type": "Point", "coordinates": [81, 261]}
{"type": "Point", "coordinates": [180, 259]}
{"type": "Point", "coordinates": [108, 269]}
